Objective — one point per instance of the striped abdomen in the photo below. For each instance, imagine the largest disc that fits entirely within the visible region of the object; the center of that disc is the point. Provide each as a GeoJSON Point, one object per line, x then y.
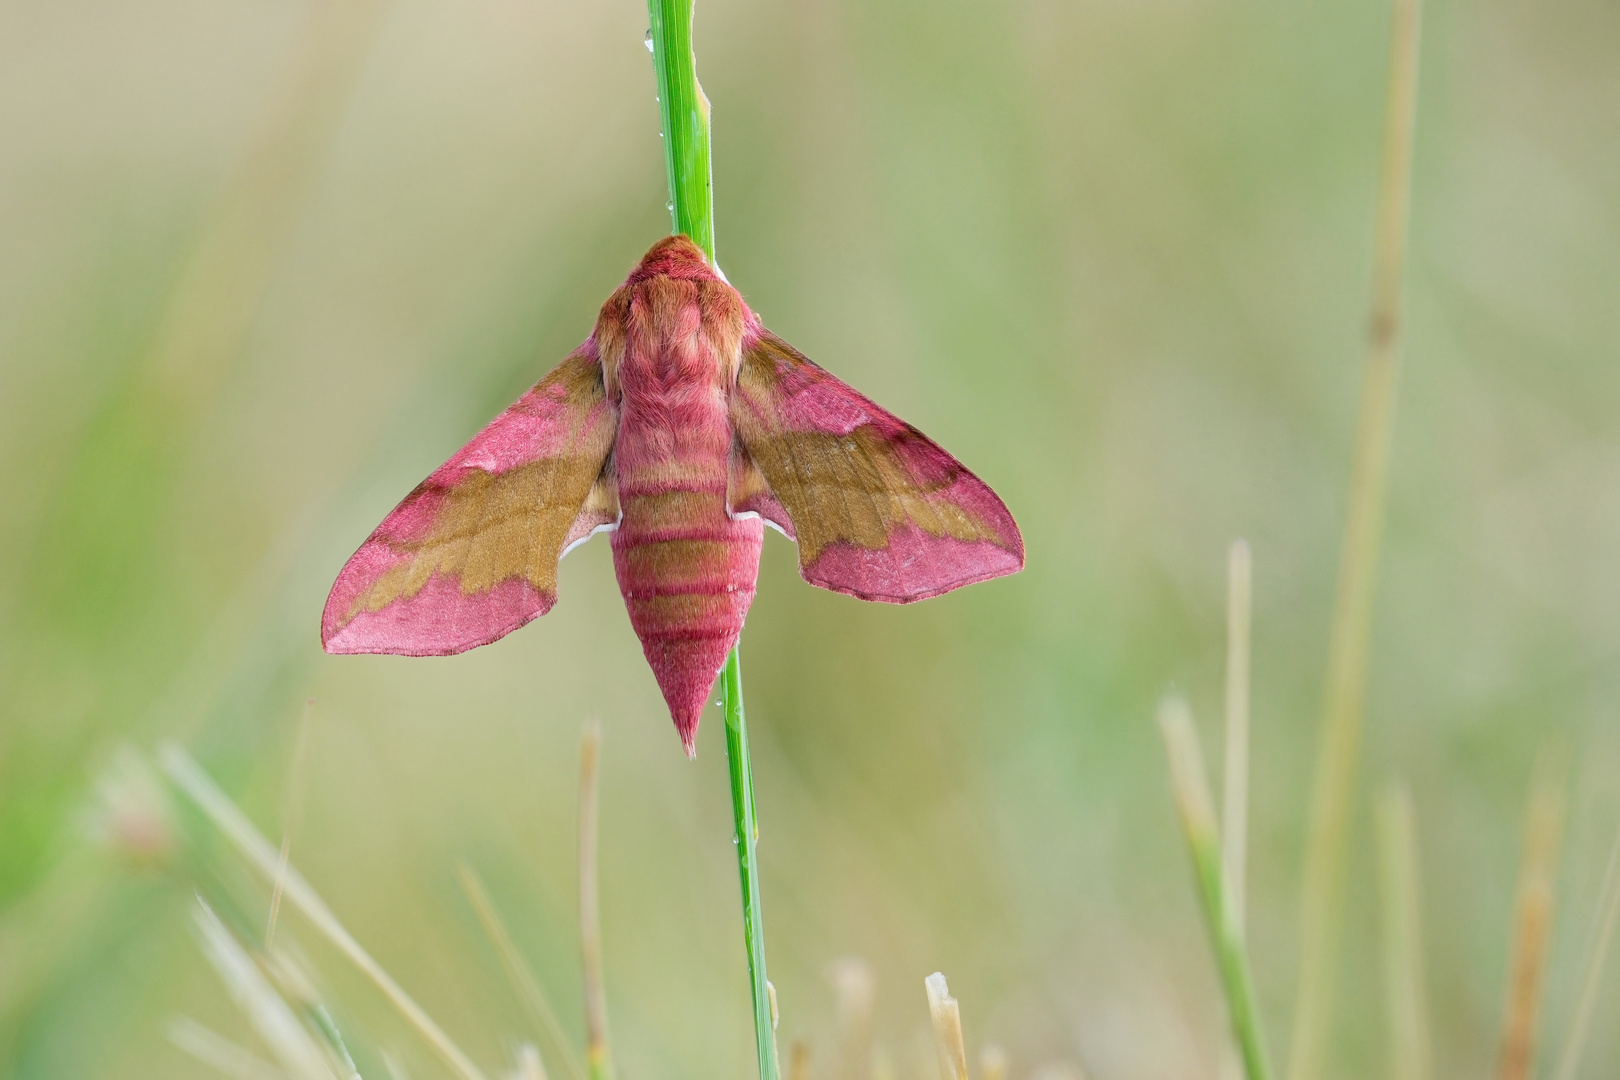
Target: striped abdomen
{"type": "Point", "coordinates": [685, 567]}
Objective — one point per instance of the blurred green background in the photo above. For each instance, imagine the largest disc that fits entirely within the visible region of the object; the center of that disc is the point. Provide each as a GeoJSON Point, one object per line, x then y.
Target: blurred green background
{"type": "Point", "coordinates": [264, 264]}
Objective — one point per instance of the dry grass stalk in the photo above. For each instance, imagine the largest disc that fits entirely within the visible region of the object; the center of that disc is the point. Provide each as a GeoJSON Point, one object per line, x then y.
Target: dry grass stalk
{"type": "Point", "coordinates": [1235, 819]}
{"type": "Point", "coordinates": [855, 991]}
{"type": "Point", "coordinates": [1345, 684]}
{"type": "Point", "coordinates": [235, 827]}
{"type": "Point", "coordinates": [517, 970]}
{"type": "Point", "coordinates": [1406, 999]}
{"type": "Point", "coordinates": [799, 1061]}
{"type": "Point", "coordinates": [598, 1058]}
{"type": "Point", "coordinates": [1532, 920]}
{"type": "Point", "coordinates": [528, 1065]}
{"type": "Point", "coordinates": [1059, 1070]}
{"type": "Point", "coordinates": [882, 1063]}
{"type": "Point", "coordinates": [286, 1036]}
{"type": "Point", "coordinates": [1597, 952]}
{"type": "Point", "coordinates": [947, 1017]}
{"type": "Point", "coordinates": [216, 1051]}
{"type": "Point", "coordinates": [992, 1062]}
{"type": "Point", "coordinates": [292, 808]}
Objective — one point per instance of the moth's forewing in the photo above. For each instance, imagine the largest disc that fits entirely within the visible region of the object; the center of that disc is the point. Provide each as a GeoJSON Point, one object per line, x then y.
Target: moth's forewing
{"type": "Point", "coordinates": [471, 554]}
{"type": "Point", "coordinates": [880, 511]}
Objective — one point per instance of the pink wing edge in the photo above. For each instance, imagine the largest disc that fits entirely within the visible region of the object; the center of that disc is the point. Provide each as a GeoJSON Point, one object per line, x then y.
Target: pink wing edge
{"type": "Point", "coordinates": [914, 565]}
{"type": "Point", "coordinates": [441, 620]}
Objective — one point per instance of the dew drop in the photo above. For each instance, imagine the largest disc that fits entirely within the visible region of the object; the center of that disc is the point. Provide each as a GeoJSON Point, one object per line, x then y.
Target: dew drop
{"type": "Point", "coordinates": [647, 41]}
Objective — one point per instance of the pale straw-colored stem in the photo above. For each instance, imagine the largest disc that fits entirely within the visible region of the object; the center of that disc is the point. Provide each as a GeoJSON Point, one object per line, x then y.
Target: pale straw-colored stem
{"type": "Point", "coordinates": [189, 777]}
{"type": "Point", "coordinates": [598, 1058]}
{"type": "Point", "coordinates": [1405, 997]}
{"type": "Point", "coordinates": [798, 1061]}
{"type": "Point", "coordinates": [947, 1018]}
{"type": "Point", "coordinates": [218, 1052]}
{"type": "Point", "coordinates": [855, 990]}
{"type": "Point", "coordinates": [1235, 819]}
{"type": "Point", "coordinates": [1592, 977]}
{"type": "Point", "coordinates": [266, 1010]}
{"type": "Point", "coordinates": [992, 1062]}
{"type": "Point", "coordinates": [517, 970]}
{"type": "Point", "coordinates": [1532, 917]}
{"type": "Point", "coordinates": [292, 809]}
{"type": "Point", "coordinates": [528, 1065]}
{"type": "Point", "coordinates": [1345, 686]}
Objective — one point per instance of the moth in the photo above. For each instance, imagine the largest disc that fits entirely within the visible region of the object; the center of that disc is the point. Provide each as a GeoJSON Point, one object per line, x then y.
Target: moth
{"type": "Point", "coordinates": [683, 427]}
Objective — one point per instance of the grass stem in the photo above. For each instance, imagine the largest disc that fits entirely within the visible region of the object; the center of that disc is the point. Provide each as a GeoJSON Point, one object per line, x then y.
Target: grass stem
{"type": "Point", "coordinates": [799, 1061]}
{"type": "Point", "coordinates": [266, 1010]}
{"type": "Point", "coordinates": [214, 1049]}
{"type": "Point", "coordinates": [1197, 809]}
{"type": "Point", "coordinates": [947, 1017]}
{"type": "Point", "coordinates": [598, 1058]}
{"type": "Point", "coordinates": [747, 839]}
{"type": "Point", "coordinates": [1235, 813]}
{"type": "Point", "coordinates": [1533, 916]}
{"type": "Point", "coordinates": [1598, 950]}
{"type": "Point", "coordinates": [685, 114]}
{"type": "Point", "coordinates": [1345, 685]}
{"type": "Point", "coordinates": [292, 808]}
{"type": "Point", "coordinates": [1401, 886]}
{"type": "Point", "coordinates": [856, 992]}
{"type": "Point", "coordinates": [189, 777]}
{"type": "Point", "coordinates": [528, 987]}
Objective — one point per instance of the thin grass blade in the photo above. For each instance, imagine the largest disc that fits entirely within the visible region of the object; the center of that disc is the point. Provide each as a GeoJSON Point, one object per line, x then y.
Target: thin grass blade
{"type": "Point", "coordinates": [218, 1052]}
{"type": "Point", "coordinates": [1197, 810]}
{"type": "Point", "coordinates": [1346, 681]}
{"type": "Point", "coordinates": [1569, 1061]}
{"type": "Point", "coordinates": [189, 777]}
{"type": "Point", "coordinates": [517, 969]}
{"type": "Point", "coordinates": [1532, 918]}
{"type": "Point", "coordinates": [292, 808]}
{"type": "Point", "coordinates": [266, 1010]}
{"type": "Point", "coordinates": [855, 992]}
{"type": "Point", "coordinates": [598, 1055]}
{"type": "Point", "coordinates": [1405, 997]}
{"type": "Point", "coordinates": [1235, 816]}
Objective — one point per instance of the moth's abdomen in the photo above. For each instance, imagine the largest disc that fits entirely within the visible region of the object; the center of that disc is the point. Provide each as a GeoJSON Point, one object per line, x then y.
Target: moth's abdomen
{"type": "Point", "coordinates": [685, 567]}
{"type": "Point", "coordinates": [687, 572]}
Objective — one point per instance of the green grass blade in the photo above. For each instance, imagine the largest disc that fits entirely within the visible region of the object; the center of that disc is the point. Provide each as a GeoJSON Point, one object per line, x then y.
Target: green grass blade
{"type": "Point", "coordinates": [1197, 809]}
{"type": "Point", "coordinates": [747, 837]}
{"type": "Point", "coordinates": [686, 122]}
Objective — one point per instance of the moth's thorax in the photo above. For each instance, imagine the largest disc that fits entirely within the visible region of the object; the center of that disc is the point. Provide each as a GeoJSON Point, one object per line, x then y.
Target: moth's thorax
{"type": "Point", "coordinates": [673, 328]}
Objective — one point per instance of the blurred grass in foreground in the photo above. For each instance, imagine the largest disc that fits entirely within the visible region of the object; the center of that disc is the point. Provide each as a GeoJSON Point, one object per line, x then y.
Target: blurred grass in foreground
{"type": "Point", "coordinates": [1146, 339]}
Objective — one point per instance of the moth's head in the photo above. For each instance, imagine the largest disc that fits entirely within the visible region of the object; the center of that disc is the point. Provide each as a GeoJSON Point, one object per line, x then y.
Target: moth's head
{"type": "Point", "coordinates": [673, 256]}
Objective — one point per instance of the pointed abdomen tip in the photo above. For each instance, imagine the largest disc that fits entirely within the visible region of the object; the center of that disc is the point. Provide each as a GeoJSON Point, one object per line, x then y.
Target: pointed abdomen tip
{"type": "Point", "coordinates": [686, 725]}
